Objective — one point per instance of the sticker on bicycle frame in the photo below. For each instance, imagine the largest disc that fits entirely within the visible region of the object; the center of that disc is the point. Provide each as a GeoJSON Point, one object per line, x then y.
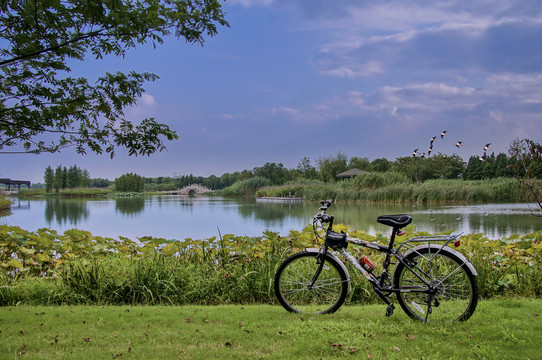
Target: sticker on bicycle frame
{"type": "Point", "coordinates": [418, 307]}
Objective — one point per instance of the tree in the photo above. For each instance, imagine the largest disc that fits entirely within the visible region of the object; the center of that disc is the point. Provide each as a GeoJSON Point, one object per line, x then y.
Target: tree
{"type": "Point", "coordinates": [49, 178]}
{"type": "Point", "coordinates": [474, 169]}
{"type": "Point", "coordinates": [501, 165]}
{"type": "Point", "coordinates": [528, 159]}
{"type": "Point", "coordinates": [99, 183]}
{"type": "Point", "coordinates": [360, 163]}
{"type": "Point", "coordinates": [130, 183]}
{"type": "Point", "coordinates": [331, 166]}
{"type": "Point", "coordinates": [44, 109]}
{"type": "Point", "coordinates": [446, 167]}
{"type": "Point", "coordinates": [57, 180]}
{"type": "Point", "coordinates": [488, 167]}
{"type": "Point", "coordinates": [381, 165]}
{"type": "Point", "coordinates": [277, 174]}
{"type": "Point", "coordinates": [306, 170]}
{"type": "Point", "coordinates": [413, 167]}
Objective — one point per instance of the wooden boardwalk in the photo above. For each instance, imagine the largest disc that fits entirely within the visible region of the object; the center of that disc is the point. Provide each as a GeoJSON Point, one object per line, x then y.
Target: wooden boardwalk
{"type": "Point", "coordinates": [13, 183]}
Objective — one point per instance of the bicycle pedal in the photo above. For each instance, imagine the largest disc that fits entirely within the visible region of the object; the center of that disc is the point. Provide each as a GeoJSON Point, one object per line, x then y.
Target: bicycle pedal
{"type": "Point", "coordinates": [389, 310]}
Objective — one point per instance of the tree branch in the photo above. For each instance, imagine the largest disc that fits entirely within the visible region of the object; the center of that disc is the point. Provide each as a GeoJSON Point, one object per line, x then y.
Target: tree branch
{"type": "Point", "coordinates": [52, 48]}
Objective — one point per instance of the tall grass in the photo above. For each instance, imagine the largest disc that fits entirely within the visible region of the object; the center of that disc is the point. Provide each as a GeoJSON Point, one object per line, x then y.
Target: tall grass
{"type": "Point", "coordinates": [396, 188]}
{"type": "Point", "coordinates": [5, 204]}
{"type": "Point", "coordinates": [78, 268]}
{"type": "Point", "coordinates": [246, 187]}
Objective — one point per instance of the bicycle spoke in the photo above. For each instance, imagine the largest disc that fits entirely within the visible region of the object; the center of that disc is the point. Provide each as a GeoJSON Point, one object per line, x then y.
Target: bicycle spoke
{"type": "Point", "coordinates": [448, 295]}
{"type": "Point", "coordinates": [327, 291]}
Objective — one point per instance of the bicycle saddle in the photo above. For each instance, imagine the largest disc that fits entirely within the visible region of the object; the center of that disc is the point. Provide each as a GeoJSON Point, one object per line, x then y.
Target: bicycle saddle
{"type": "Point", "coordinates": [397, 221]}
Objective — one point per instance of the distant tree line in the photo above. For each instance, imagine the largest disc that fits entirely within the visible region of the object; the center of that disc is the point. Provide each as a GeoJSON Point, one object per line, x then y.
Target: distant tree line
{"type": "Point", "coordinates": [65, 178]}
{"type": "Point", "coordinates": [325, 169]}
{"type": "Point", "coordinates": [70, 178]}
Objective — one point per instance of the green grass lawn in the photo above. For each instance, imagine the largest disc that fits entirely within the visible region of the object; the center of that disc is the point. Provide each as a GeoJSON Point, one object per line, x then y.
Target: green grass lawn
{"type": "Point", "coordinates": [499, 329]}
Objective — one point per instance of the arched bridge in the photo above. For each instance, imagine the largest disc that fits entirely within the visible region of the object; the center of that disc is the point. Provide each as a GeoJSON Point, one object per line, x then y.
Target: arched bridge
{"type": "Point", "coordinates": [193, 189]}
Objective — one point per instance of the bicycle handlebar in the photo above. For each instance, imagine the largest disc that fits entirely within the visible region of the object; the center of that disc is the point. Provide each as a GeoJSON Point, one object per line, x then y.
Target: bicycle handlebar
{"type": "Point", "coordinates": [321, 215]}
{"type": "Point", "coordinates": [326, 204]}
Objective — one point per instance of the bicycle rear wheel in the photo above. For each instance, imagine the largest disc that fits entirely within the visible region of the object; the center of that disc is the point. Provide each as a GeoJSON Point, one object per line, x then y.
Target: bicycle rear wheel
{"type": "Point", "coordinates": [454, 294]}
{"type": "Point", "coordinates": [294, 276]}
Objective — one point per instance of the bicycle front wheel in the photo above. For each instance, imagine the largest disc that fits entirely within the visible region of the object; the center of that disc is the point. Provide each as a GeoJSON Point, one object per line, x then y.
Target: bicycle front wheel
{"type": "Point", "coordinates": [293, 278]}
{"type": "Point", "coordinates": [443, 289]}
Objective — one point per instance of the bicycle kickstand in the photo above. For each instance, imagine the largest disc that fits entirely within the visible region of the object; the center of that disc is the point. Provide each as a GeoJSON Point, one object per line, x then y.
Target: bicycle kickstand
{"type": "Point", "coordinates": [391, 307]}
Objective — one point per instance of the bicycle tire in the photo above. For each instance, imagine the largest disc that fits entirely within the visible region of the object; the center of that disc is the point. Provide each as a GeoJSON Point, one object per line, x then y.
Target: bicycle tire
{"type": "Point", "coordinates": [295, 273]}
{"type": "Point", "coordinates": [456, 296]}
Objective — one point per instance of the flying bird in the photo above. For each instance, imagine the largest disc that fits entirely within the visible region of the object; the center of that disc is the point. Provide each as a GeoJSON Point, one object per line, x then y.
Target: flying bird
{"type": "Point", "coordinates": [443, 133]}
{"type": "Point", "coordinates": [429, 151]}
{"type": "Point", "coordinates": [458, 144]}
{"type": "Point", "coordinates": [415, 152]}
{"type": "Point", "coordinates": [487, 147]}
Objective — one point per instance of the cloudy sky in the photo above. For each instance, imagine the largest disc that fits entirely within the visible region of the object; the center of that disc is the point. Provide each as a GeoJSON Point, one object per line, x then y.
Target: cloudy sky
{"type": "Point", "coordinates": [296, 78]}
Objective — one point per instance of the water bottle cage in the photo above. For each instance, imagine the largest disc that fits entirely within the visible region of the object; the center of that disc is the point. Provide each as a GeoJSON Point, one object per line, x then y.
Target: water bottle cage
{"type": "Point", "coordinates": [336, 240]}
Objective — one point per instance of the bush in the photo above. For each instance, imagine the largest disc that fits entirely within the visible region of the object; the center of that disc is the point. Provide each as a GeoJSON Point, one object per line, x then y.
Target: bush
{"type": "Point", "coordinates": [77, 268]}
{"type": "Point", "coordinates": [379, 180]}
{"type": "Point", "coordinates": [246, 187]}
{"type": "Point", "coordinates": [130, 183]}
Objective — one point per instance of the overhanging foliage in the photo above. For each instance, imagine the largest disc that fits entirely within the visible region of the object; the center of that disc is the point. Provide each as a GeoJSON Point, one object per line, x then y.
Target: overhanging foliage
{"type": "Point", "coordinates": [44, 109]}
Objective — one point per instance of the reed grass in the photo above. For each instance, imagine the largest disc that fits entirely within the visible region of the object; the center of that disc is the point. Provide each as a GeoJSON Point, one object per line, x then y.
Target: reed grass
{"type": "Point", "coordinates": [395, 188]}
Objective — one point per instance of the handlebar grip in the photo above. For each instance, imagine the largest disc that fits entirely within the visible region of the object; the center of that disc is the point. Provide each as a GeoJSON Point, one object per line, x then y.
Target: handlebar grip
{"type": "Point", "coordinates": [326, 203]}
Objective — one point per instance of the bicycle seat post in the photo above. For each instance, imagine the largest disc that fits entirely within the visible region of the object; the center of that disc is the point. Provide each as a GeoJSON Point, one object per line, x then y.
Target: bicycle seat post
{"type": "Point", "coordinates": [392, 238]}
{"type": "Point", "coordinates": [396, 222]}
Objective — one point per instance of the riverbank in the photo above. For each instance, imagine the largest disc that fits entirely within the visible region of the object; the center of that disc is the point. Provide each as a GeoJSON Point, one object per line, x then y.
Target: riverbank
{"type": "Point", "coordinates": [80, 193]}
{"type": "Point", "coordinates": [5, 205]}
{"type": "Point", "coordinates": [370, 188]}
{"type": "Point", "coordinates": [75, 267]}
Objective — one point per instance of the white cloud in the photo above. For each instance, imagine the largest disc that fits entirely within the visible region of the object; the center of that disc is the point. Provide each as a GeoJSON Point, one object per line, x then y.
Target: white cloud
{"type": "Point", "coordinates": [148, 100]}
{"type": "Point", "coordinates": [356, 70]}
{"type": "Point", "coordinates": [416, 35]}
{"type": "Point", "coordinates": [249, 3]}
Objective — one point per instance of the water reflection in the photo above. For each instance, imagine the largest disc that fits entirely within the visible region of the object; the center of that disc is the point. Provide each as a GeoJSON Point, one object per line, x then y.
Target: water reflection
{"type": "Point", "coordinates": [130, 205]}
{"type": "Point", "coordinates": [65, 211]}
{"type": "Point", "coordinates": [494, 220]}
{"type": "Point", "coordinates": [180, 217]}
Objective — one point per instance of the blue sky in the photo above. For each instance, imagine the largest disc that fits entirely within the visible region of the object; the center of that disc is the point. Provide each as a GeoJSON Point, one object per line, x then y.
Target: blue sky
{"type": "Point", "coordinates": [300, 78]}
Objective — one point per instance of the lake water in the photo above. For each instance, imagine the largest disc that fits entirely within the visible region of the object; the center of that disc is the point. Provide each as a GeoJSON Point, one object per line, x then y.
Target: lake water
{"type": "Point", "coordinates": [180, 217]}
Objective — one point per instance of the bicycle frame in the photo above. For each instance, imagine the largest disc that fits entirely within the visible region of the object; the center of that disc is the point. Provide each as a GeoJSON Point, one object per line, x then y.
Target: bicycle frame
{"type": "Point", "coordinates": [339, 242]}
{"type": "Point", "coordinates": [427, 272]}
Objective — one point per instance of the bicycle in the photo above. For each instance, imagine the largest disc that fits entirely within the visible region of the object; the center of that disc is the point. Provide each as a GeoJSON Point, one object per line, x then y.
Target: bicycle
{"type": "Point", "coordinates": [431, 281]}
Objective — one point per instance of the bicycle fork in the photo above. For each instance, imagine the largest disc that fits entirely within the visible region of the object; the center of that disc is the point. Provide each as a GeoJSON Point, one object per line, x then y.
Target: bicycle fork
{"type": "Point", "coordinates": [321, 259]}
